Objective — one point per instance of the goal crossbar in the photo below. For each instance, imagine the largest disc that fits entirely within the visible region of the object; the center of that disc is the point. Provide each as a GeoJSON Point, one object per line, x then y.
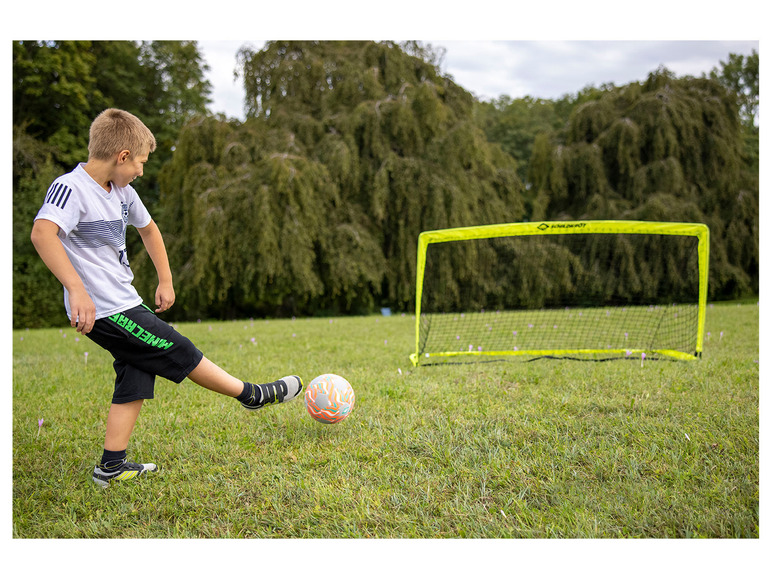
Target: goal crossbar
{"type": "Point", "coordinates": [698, 230]}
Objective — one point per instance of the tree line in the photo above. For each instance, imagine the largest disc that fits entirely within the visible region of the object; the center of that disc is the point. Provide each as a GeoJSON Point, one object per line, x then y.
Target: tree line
{"type": "Point", "coordinates": [313, 204]}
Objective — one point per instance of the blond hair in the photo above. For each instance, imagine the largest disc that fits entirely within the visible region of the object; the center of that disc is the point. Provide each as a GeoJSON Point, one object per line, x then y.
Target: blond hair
{"type": "Point", "coordinates": [115, 130]}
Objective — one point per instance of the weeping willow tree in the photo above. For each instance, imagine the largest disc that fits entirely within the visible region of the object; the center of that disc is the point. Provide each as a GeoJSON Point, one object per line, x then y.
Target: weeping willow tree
{"type": "Point", "coordinates": [667, 149]}
{"type": "Point", "coordinates": [315, 203]}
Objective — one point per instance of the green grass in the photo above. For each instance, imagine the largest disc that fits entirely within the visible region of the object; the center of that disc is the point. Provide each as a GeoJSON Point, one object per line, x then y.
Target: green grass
{"type": "Point", "coordinates": [516, 449]}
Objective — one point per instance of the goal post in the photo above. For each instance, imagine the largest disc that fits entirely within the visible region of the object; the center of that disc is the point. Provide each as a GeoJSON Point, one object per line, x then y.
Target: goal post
{"type": "Point", "coordinates": [587, 289]}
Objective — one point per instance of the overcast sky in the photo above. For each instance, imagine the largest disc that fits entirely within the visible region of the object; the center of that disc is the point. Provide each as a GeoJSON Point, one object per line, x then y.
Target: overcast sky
{"type": "Point", "coordinates": [543, 69]}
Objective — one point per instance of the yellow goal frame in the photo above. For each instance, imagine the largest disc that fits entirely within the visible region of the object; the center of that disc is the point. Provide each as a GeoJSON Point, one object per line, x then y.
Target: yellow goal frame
{"type": "Point", "coordinates": [698, 230]}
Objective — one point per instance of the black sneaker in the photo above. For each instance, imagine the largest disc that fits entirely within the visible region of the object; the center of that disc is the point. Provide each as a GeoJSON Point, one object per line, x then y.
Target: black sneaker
{"type": "Point", "coordinates": [273, 393]}
{"type": "Point", "coordinates": [126, 471]}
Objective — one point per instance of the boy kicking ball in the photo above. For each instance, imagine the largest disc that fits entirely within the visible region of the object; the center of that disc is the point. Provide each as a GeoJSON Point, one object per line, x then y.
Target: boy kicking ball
{"type": "Point", "coordinates": [80, 234]}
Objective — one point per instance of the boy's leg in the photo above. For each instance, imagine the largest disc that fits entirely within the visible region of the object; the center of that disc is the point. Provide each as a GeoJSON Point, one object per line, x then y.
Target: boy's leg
{"type": "Point", "coordinates": [252, 396]}
{"type": "Point", "coordinates": [132, 387]}
{"type": "Point", "coordinates": [120, 423]}
{"type": "Point", "coordinates": [156, 348]}
{"type": "Point", "coordinates": [121, 419]}
{"type": "Point", "coordinates": [212, 377]}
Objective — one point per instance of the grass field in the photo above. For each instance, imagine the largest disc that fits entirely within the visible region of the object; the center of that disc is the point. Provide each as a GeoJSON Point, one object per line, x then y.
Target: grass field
{"type": "Point", "coordinates": [505, 450]}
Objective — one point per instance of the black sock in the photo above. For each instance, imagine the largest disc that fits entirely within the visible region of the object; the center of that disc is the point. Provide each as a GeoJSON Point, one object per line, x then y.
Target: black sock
{"type": "Point", "coordinates": [112, 459]}
{"type": "Point", "coordinates": [246, 393]}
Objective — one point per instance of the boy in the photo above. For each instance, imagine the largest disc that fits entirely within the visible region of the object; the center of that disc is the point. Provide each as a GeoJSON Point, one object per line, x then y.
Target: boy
{"type": "Point", "coordinates": [80, 234]}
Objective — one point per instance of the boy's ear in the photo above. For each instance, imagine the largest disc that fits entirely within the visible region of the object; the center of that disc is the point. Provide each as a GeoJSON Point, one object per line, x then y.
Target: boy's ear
{"type": "Point", "coordinates": [123, 156]}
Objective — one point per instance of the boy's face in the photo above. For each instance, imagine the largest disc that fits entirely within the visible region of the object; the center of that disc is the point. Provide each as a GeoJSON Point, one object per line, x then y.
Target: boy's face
{"type": "Point", "coordinates": [128, 168]}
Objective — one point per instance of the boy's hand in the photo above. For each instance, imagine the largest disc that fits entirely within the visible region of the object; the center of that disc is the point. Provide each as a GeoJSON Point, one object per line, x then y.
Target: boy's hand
{"type": "Point", "coordinates": [82, 312]}
{"type": "Point", "coordinates": [164, 297]}
{"type": "Point", "coordinates": [154, 244]}
{"type": "Point", "coordinates": [45, 238]}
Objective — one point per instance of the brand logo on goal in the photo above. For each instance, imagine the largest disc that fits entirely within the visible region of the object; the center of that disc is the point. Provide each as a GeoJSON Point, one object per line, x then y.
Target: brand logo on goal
{"type": "Point", "coordinates": [544, 226]}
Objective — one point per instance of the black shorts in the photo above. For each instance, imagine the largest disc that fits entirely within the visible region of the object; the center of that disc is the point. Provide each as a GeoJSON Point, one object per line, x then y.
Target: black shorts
{"type": "Point", "coordinates": [144, 346]}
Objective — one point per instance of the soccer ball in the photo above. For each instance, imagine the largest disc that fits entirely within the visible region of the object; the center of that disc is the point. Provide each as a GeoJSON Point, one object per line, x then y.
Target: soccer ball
{"type": "Point", "coordinates": [329, 398]}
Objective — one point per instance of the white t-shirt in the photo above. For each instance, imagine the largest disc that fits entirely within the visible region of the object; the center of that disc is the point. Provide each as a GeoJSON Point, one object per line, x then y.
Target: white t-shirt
{"type": "Point", "coordinates": [92, 226]}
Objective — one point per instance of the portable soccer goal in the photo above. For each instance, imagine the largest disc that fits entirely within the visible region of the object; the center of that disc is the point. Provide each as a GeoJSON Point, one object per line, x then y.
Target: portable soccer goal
{"type": "Point", "coordinates": [591, 290]}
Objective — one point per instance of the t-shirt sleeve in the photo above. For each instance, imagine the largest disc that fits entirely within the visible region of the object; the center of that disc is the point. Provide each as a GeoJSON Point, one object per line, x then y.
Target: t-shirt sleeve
{"type": "Point", "coordinates": [61, 206]}
{"type": "Point", "coordinates": [139, 216]}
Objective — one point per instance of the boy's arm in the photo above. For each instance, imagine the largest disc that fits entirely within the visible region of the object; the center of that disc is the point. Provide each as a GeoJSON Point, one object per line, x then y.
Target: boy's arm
{"type": "Point", "coordinates": [154, 244]}
{"type": "Point", "coordinates": [46, 240]}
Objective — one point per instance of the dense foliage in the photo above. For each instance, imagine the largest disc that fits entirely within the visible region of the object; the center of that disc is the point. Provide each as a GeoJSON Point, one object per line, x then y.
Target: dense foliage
{"type": "Point", "coordinates": [313, 205]}
{"type": "Point", "coordinates": [667, 149]}
{"type": "Point", "coordinates": [58, 89]}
